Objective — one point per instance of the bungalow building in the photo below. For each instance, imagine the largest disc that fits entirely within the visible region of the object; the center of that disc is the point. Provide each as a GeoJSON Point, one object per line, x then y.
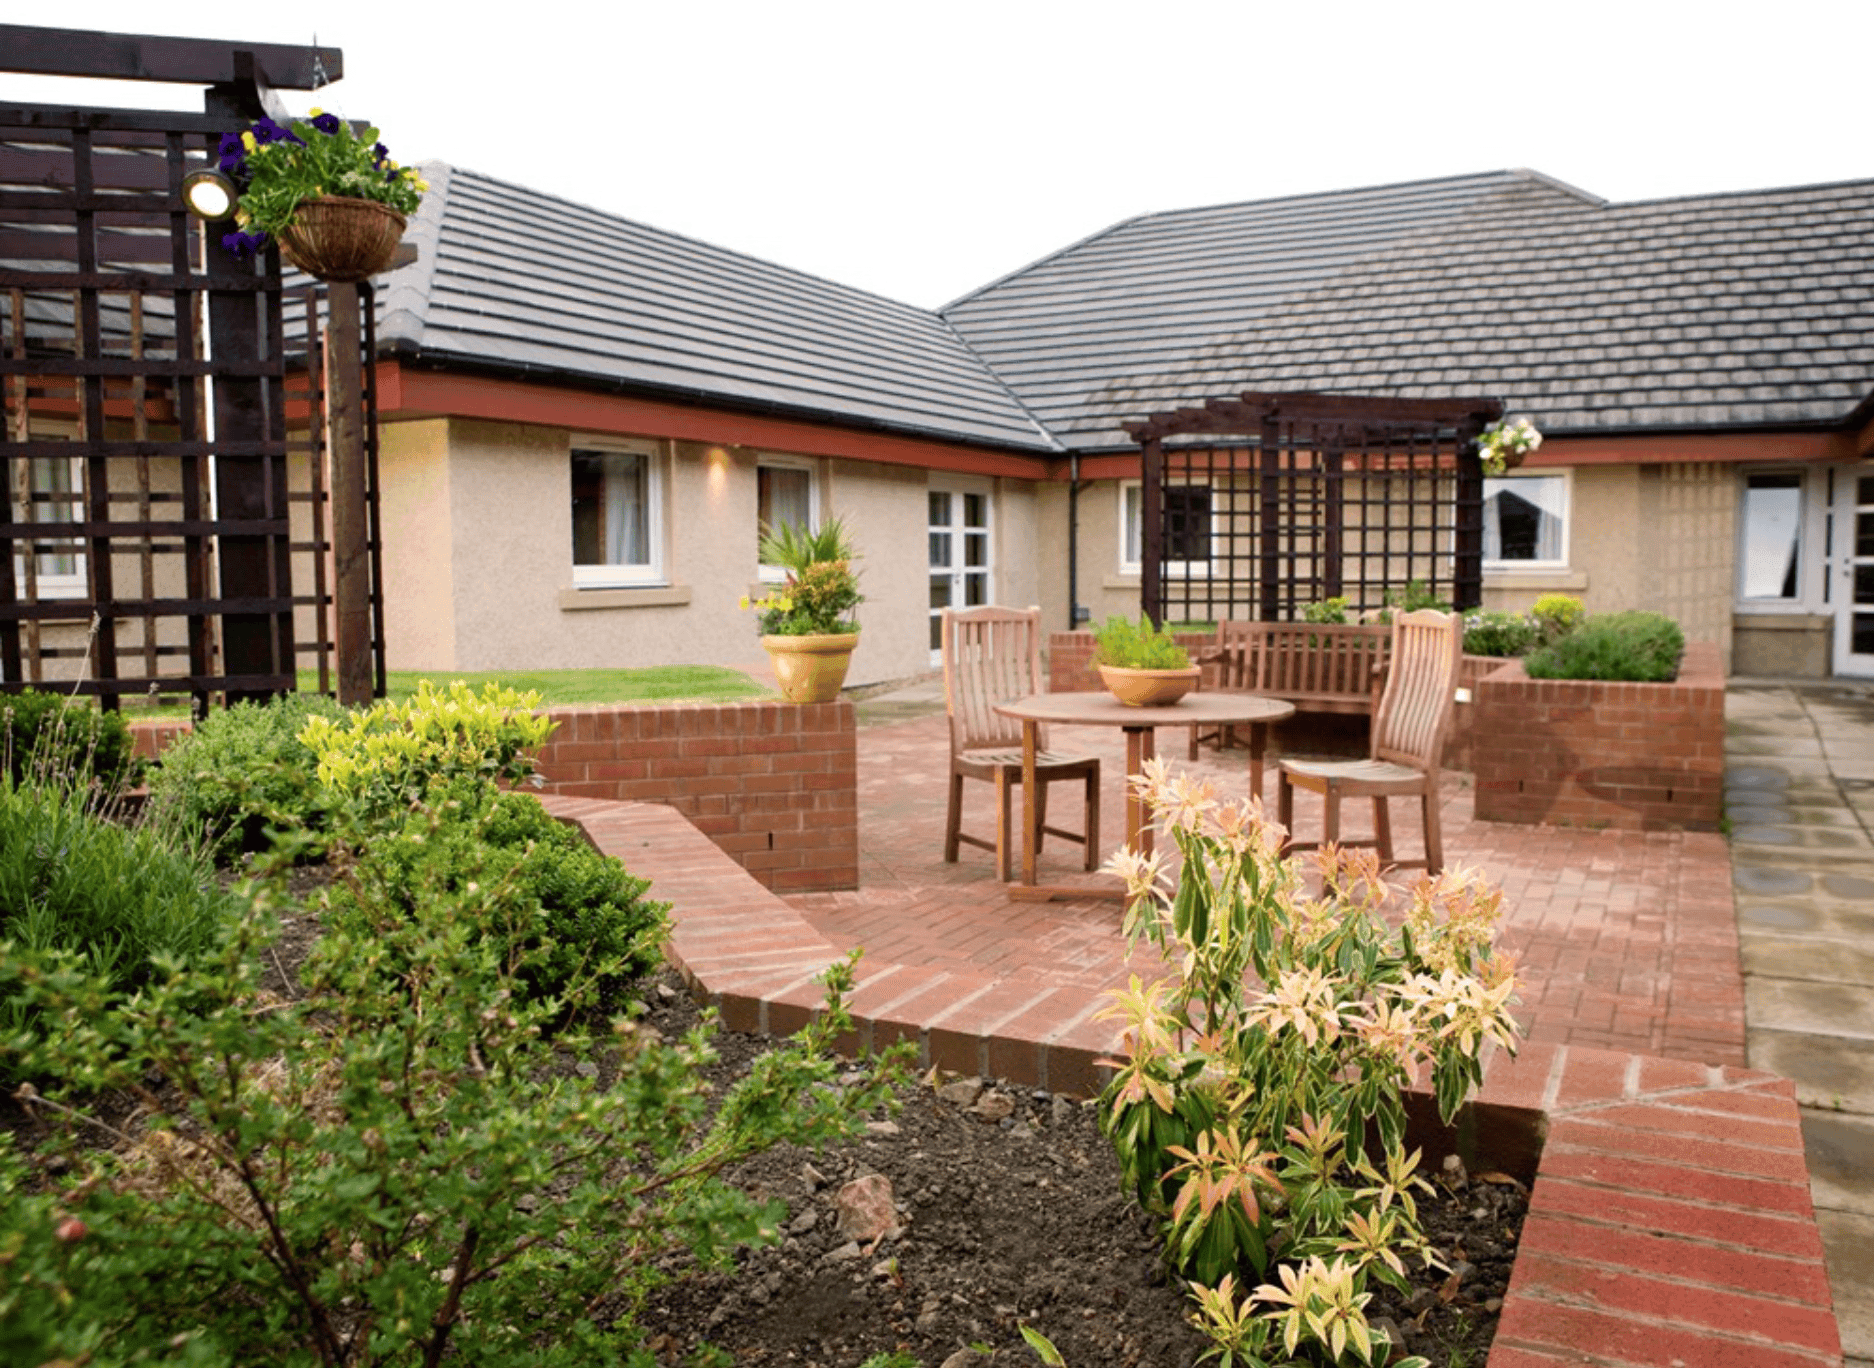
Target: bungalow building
{"type": "Point", "coordinates": [585, 420]}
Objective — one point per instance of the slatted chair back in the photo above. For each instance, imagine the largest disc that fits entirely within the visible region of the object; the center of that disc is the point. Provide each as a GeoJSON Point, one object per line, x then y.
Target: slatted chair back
{"type": "Point", "coordinates": [1415, 711]}
{"type": "Point", "coordinates": [991, 655]}
{"type": "Point", "coordinates": [1237, 655]}
{"type": "Point", "coordinates": [1308, 661]}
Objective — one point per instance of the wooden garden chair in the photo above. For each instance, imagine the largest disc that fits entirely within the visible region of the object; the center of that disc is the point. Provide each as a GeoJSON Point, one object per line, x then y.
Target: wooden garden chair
{"type": "Point", "coordinates": [993, 655]}
{"type": "Point", "coordinates": [1409, 729]}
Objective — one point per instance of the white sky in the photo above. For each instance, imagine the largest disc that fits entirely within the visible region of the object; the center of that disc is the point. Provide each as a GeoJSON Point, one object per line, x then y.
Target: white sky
{"type": "Point", "coordinates": [922, 151]}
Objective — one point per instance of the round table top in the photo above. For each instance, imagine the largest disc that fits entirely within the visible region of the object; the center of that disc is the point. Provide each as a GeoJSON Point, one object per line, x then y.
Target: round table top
{"type": "Point", "coordinates": [1098, 708]}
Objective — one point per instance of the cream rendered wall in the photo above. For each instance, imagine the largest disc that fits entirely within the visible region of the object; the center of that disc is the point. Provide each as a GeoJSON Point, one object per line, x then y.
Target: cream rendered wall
{"type": "Point", "coordinates": [1021, 572]}
{"type": "Point", "coordinates": [418, 531]}
{"type": "Point", "coordinates": [1661, 538]}
{"type": "Point", "coordinates": [478, 556]}
{"type": "Point", "coordinates": [886, 513]}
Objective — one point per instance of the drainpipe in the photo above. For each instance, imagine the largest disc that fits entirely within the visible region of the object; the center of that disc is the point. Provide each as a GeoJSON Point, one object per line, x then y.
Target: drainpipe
{"type": "Point", "coordinates": [1075, 615]}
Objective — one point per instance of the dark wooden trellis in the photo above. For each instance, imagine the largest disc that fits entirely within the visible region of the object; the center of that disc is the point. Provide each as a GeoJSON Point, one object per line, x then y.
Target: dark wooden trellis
{"type": "Point", "coordinates": [184, 549]}
{"type": "Point", "coordinates": [1257, 506]}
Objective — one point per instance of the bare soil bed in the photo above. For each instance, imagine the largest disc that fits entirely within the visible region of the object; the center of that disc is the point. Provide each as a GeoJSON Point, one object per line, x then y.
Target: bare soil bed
{"type": "Point", "coordinates": [1010, 1212]}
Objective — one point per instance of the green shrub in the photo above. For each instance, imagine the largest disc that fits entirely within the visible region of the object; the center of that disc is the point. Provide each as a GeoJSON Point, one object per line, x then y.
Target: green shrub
{"type": "Point", "coordinates": [346, 1179]}
{"type": "Point", "coordinates": [244, 769]}
{"type": "Point", "coordinates": [118, 898]}
{"type": "Point", "coordinates": [1122, 642]}
{"type": "Point", "coordinates": [1327, 610]}
{"type": "Point", "coordinates": [1556, 615]}
{"type": "Point", "coordinates": [1613, 646]}
{"type": "Point", "coordinates": [564, 913]}
{"type": "Point", "coordinates": [384, 760]}
{"type": "Point", "coordinates": [1500, 633]}
{"type": "Point", "coordinates": [56, 738]}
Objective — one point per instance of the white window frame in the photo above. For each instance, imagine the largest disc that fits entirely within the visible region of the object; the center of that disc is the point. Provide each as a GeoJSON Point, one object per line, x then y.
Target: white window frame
{"type": "Point", "coordinates": [1561, 562]}
{"type": "Point", "coordinates": [1810, 537]}
{"type": "Point", "coordinates": [1131, 525]}
{"type": "Point", "coordinates": [76, 585]}
{"type": "Point", "coordinates": [617, 575]}
{"type": "Point", "coordinates": [774, 574]}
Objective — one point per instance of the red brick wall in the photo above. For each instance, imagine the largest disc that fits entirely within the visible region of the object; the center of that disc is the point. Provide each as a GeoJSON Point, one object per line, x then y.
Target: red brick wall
{"type": "Point", "coordinates": [1573, 752]}
{"type": "Point", "coordinates": [773, 784]}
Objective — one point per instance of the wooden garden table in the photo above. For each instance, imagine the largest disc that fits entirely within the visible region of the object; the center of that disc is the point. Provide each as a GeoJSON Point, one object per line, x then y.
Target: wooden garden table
{"type": "Point", "coordinates": [1100, 709]}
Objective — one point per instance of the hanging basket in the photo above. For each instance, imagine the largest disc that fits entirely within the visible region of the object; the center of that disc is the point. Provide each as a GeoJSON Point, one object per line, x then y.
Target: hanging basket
{"type": "Point", "coordinates": [342, 240]}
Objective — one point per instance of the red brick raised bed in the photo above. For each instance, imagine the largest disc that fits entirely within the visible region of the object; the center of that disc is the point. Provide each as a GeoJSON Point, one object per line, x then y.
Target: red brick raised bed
{"type": "Point", "coordinates": [1670, 1220]}
{"type": "Point", "coordinates": [773, 784]}
{"type": "Point", "coordinates": [1643, 757]}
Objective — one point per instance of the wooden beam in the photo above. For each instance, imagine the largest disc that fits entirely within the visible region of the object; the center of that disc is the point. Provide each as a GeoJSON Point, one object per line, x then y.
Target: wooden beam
{"type": "Point", "coordinates": [184, 61]}
{"type": "Point", "coordinates": [407, 393]}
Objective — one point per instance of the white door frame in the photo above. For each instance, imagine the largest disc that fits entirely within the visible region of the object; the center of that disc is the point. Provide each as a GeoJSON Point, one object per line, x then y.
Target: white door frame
{"type": "Point", "coordinates": [1851, 564]}
{"type": "Point", "coordinates": [961, 552]}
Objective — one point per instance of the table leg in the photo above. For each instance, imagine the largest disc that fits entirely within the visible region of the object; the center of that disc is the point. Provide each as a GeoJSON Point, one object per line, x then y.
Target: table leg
{"type": "Point", "coordinates": [1258, 738]}
{"type": "Point", "coordinates": [1141, 745]}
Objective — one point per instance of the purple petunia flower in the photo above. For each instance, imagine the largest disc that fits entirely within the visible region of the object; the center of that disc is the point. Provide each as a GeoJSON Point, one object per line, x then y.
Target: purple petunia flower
{"type": "Point", "coordinates": [267, 131]}
{"type": "Point", "coordinates": [380, 154]}
{"type": "Point", "coordinates": [326, 124]}
{"type": "Point", "coordinates": [244, 245]}
{"type": "Point", "coordinates": [233, 154]}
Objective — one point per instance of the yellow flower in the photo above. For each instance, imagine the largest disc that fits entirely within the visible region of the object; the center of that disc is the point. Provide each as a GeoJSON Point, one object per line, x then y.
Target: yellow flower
{"type": "Point", "coordinates": [315, 112]}
{"type": "Point", "coordinates": [247, 141]}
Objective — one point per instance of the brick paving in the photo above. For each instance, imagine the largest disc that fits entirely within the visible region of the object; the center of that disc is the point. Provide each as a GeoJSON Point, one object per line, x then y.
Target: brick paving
{"type": "Point", "coordinates": [1627, 940]}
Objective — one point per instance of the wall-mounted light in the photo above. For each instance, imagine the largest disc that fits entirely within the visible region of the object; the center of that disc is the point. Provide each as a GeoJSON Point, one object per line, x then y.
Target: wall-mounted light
{"type": "Point", "coordinates": [210, 194]}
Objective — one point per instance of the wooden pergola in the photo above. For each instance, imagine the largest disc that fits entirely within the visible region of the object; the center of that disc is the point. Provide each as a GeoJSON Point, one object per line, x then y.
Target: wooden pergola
{"type": "Point", "coordinates": [1258, 505]}
{"type": "Point", "coordinates": [163, 500]}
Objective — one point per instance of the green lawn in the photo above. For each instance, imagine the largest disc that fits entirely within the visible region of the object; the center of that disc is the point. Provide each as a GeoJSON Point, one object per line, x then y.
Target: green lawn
{"type": "Point", "coordinates": [658, 684]}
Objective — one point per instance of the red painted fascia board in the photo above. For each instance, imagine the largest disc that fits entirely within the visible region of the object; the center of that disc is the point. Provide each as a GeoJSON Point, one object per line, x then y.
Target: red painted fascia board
{"type": "Point", "coordinates": [411, 393]}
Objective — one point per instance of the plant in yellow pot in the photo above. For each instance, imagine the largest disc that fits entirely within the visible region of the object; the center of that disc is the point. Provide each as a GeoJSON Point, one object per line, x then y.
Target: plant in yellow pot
{"type": "Point", "coordinates": [807, 625]}
{"type": "Point", "coordinates": [1141, 664]}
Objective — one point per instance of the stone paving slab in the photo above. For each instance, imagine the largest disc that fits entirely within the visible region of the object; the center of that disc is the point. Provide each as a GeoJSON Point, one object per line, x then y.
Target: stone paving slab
{"type": "Point", "coordinates": [1823, 960]}
{"type": "Point", "coordinates": [1848, 1244]}
{"type": "Point", "coordinates": [1830, 1075]}
{"type": "Point", "coordinates": [1838, 1145]}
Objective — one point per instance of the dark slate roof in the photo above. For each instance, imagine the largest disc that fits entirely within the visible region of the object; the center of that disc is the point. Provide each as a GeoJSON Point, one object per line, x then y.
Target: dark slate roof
{"type": "Point", "coordinates": [1709, 312]}
{"type": "Point", "coordinates": [525, 283]}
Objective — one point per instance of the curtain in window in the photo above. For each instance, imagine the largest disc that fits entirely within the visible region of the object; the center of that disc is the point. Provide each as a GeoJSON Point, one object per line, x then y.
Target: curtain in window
{"type": "Point", "coordinates": [783, 497]}
{"type": "Point", "coordinates": [627, 507]}
{"type": "Point", "coordinates": [1523, 519]}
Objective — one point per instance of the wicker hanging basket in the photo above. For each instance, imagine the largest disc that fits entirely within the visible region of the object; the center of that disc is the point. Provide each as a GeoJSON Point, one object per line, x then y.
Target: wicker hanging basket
{"type": "Point", "coordinates": [342, 240]}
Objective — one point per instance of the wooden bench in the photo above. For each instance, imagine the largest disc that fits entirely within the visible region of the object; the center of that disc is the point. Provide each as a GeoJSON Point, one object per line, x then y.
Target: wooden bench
{"type": "Point", "coordinates": [1319, 667]}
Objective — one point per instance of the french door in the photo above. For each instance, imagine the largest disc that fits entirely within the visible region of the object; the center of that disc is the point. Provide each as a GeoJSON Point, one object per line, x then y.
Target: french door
{"type": "Point", "coordinates": [1853, 568]}
{"type": "Point", "coordinates": [960, 573]}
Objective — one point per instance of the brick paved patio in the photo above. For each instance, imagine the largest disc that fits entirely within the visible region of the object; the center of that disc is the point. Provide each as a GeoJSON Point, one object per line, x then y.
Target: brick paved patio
{"type": "Point", "coordinates": [1627, 939]}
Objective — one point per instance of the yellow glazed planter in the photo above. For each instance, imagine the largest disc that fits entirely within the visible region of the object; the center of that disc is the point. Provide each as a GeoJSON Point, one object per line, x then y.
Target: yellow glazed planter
{"type": "Point", "coordinates": [810, 669]}
{"type": "Point", "coordinates": [1149, 688]}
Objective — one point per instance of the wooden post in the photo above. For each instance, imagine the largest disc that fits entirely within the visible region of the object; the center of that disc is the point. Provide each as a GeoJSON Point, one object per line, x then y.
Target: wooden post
{"type": "Point", "coordinates": [351, 563]}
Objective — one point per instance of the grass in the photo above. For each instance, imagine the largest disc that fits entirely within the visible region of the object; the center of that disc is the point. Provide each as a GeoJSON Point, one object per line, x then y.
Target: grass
{"type": "Point", "coordinates": [655, 684]}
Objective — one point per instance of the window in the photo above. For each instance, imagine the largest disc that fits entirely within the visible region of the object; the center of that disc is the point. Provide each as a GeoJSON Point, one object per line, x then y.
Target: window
{"type": "Point", "coordinates": [1526, 521]}
{"type": "Point", "coordinates": [1187, 528]}
{"type": "Point", "coordinates": [1770, 538]}
{"type": "Point", "coordinates": [617, 516]}
{"type": "Point", "coordinates": [784, 496]}
{"type": "Point", "coordinates": [57, 496]}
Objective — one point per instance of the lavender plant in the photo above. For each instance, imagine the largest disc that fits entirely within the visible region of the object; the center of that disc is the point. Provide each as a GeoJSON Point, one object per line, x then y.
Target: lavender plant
{"type": "Point", "coordinates": [1259, 1106]}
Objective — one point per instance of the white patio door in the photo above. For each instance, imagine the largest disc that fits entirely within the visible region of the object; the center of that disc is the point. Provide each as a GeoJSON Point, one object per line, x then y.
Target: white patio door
{"type": "Point", "coordinates": [1853, 590]}
{"type": "Point", "coordinates": [960, 572]}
